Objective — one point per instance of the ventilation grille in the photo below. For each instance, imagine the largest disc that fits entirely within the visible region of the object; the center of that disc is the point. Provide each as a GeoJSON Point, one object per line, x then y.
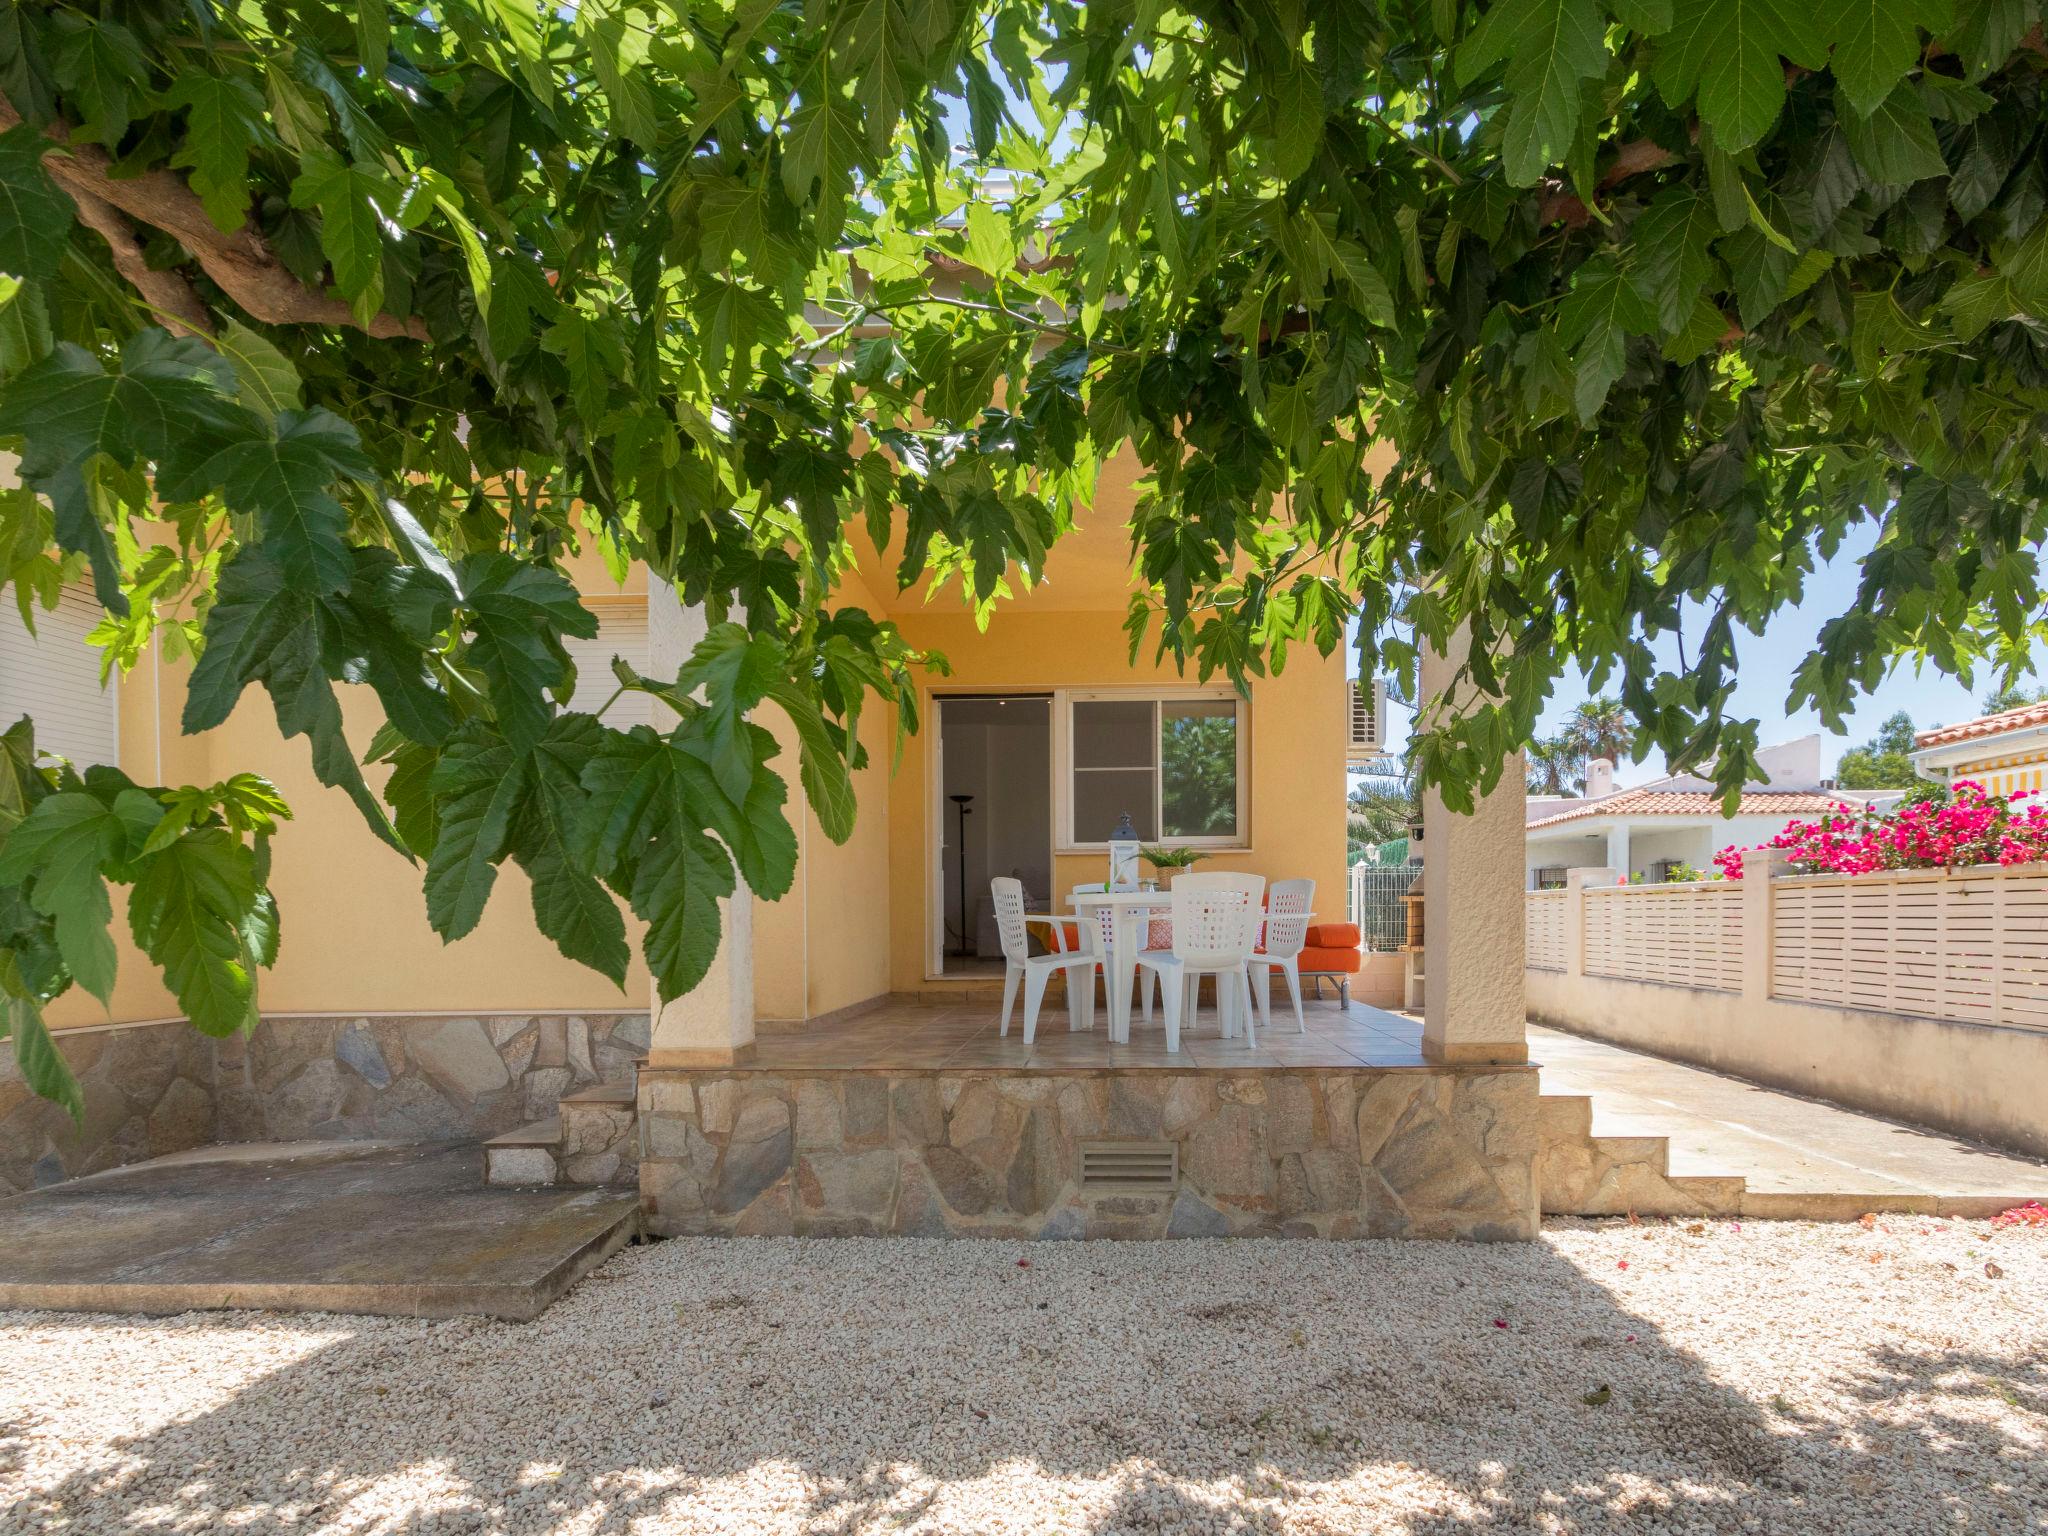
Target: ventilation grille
{"type": "Point", "coordinates": [1130, 1164]}
{"type": "Point", "coordinates": [1367, 737]}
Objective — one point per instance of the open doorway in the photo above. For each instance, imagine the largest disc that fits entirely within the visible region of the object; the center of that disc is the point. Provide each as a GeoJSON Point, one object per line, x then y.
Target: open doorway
{"type": "Point", "coordinates": [994, 812]}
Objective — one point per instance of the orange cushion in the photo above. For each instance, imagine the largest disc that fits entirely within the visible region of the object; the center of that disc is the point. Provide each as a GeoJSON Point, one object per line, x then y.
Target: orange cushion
{"type": "Point", "coordinates": [1333, 936]}
{"type": "Point", "coordinates": [1070, 935]}
{"type": "Point", "coordinates": [1318, 958]}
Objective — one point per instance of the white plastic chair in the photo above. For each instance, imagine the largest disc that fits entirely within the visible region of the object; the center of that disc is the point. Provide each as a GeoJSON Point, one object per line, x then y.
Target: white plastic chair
{"type": "Point", "coordinates": [1287, 918]}
{"type": "Point", "coordinates": [1098, 937]}
{"type": "Point", "coordinates": [1214, 920]}
{"type": "Point", "coordinates": [1254, 889]}
{"type": "Point", "coordinates": [1019, 964]}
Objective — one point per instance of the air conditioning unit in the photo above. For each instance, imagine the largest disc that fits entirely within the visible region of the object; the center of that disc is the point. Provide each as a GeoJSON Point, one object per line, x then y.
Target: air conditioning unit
{"type": "Point", "coordinates": [1367, 737]}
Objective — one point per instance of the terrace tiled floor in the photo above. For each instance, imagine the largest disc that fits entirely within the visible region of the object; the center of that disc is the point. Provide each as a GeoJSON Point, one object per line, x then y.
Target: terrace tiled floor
{"type": "Point", "coordinates": [908, 1035]}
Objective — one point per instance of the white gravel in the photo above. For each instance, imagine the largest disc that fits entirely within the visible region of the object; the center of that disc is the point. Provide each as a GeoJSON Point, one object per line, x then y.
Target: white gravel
{"type": "Point", "coordinates": [1759, 1377]}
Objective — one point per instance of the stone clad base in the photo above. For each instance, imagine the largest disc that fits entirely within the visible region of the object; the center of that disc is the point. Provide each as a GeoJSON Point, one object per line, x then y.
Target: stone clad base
{"type": "Point", "coordinates": [157, 1088]}
{"type": "Point", "coordinates": [415, 1079]}
{"type": "Point", "coordinates": [1287, 1152]}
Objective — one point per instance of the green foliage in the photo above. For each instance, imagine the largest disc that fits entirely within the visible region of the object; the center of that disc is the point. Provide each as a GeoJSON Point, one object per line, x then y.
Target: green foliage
{"type": "Point", "coordinates": [2013, 696]}
{"type": "Point", "coordinates": [1575, 326]}
{"type": "Point", "coordinates": [1197, 775]}
{"type": "Point", "coordinates": [1380, 810]}
{"type": "Point", "coordinates": [195, 860]}
{"type": "Point", "coordinates": [1883, 762]}
{"type": "Point", "coordinates": [1685, 292]}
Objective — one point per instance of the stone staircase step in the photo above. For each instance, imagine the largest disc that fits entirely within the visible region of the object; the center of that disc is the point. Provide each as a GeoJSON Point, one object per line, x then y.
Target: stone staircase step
{"type": "Point", "coordinates": [1718, 1194]}
{"type": "Point", "coordinates": [1565, 1114]}
{"type": "Point", "coordinates": [600, 1141]}
{"type": "Point", "coordinates": [609, 1095]}
{"type": "Point", "coordinates": [524, 1155]}
{"type": "Point", "coordinates": [1652, 1152]}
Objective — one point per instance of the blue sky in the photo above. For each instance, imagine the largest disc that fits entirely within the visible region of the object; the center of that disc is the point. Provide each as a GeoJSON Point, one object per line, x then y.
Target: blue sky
{"type": "Point", "coordinates": [1930, 697]}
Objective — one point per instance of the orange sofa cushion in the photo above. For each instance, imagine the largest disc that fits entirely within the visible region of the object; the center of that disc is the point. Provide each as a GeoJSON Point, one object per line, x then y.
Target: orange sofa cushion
{"type": "Point", "coordinates": [1328, 961]}
{"type": "Point", "coordinates": [1070, 935]}
{"type": "Point", "coordinates": [1333, 936]}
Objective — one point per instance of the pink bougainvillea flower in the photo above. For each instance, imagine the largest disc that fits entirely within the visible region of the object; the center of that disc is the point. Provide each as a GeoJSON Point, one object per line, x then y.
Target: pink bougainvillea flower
{"type": "Point", "coordinates": [1965, 827]}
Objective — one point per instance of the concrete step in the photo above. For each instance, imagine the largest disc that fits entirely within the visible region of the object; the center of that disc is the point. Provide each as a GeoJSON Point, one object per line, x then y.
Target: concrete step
{"type": "Point", "coordinates": [1813, 1205]}
{"type": "Point", "coordinates": [525, 1156]}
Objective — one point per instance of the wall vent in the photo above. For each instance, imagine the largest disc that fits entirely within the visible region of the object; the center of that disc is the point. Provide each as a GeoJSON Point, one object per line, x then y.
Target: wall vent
{"type": "Point", "coordinates": [1366, 736]}
{"type": "Point", "coordinates": [1129, 1165]}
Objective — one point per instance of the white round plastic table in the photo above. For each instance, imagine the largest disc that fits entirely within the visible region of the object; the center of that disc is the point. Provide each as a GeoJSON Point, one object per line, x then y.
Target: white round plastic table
{"type": "Point", "coordinates": [1133, 909]}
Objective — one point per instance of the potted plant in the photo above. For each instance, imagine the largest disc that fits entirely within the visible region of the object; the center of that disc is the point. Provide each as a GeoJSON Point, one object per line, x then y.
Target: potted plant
{"type": "Point", "coordinates": [1165, 859]}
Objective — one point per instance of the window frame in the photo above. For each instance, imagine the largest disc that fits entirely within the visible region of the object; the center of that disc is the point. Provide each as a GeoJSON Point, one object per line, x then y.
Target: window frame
{"type": "Point", "coordinates": [1064, 700]}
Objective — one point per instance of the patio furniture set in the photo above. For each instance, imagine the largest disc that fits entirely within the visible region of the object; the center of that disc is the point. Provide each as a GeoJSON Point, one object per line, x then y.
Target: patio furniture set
{"type": "Point", "coordinates": [1225, 926]}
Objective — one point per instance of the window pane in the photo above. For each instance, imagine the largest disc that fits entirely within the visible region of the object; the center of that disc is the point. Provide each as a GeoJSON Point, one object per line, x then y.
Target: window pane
{"type": "Point", "coordinates": [1113, 733]}
{"type": "Point", "coordinates": [1198, 767]}
{"type": "Point", "coordinates": [1103, 795]}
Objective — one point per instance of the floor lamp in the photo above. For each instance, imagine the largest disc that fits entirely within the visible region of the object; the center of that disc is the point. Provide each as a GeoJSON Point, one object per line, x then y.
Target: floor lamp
{"type": "Point", "coordinates": [963, 949]}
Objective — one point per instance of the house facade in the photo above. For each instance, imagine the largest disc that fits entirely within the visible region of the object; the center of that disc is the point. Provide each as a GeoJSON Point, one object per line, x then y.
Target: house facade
{"type": "Point", "coordinates": [1676, 822]}
{"type": "Point", "coordinates": [373, 1026]}
{"type": "Point", "coordinates": [2005, 753]}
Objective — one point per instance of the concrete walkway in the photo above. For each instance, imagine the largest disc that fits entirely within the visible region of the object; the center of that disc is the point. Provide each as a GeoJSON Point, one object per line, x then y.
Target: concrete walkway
{"type": "Point", "coordinates": [1782, 1144]}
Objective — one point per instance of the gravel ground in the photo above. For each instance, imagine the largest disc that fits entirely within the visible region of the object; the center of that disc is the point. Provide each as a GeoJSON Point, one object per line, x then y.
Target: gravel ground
{"type": "Point", "coordinates": [1720, 1377]}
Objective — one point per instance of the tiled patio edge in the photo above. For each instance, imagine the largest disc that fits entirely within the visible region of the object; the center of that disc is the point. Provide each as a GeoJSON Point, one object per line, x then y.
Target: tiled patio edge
{"type": "Point", "coordinates": [1307, 1152]}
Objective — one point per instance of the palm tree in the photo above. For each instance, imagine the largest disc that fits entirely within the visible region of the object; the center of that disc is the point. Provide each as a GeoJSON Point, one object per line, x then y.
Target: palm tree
{"type": "Point", "coordinates": [1554, 767]}
{"type": "Point", "coordinates": [1600, 727]}
{"type": "Point", "coordinates": [1380, 810]}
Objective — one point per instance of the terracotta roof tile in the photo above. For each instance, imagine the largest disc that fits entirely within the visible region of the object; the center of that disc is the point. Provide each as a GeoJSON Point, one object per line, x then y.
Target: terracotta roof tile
{"type": "Point", "coordinates": [1665, 802]}
{"type": "Point", "coordinates": [1984, 725]}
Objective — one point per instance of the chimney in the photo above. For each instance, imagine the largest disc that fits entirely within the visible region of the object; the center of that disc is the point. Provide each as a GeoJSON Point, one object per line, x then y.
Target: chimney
{"type": "Point", "coordinates": [1599, 778]}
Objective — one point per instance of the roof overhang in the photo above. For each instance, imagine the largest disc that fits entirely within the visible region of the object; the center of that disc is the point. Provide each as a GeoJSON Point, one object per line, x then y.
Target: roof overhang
{"type": "Point", "coordinates": [1940, 763]}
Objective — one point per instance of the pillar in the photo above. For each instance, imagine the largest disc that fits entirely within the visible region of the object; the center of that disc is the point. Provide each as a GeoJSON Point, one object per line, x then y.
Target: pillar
{"type": "Point", "coordinates": [713, 1025]}
{"type": "Point", "coordinates": [1575, 883]}
{"type": "Point", "coordinates": [1617, 848]}
{"type": "Point", "coordinates": [1474, 945]}
{"type": "Point", "coordinates": [1760, 866]}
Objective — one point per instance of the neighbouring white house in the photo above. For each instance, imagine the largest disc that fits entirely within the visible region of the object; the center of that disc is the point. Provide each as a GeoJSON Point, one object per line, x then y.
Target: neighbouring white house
{"type": "Point", "coordinates": [2005, 753]}
{"type": "Point", "coordinates": [1653, 829]}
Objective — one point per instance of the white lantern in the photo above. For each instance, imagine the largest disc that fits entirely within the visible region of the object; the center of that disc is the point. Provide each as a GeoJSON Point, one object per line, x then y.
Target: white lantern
{"type": "Point", "coordinates": [1123, 855]}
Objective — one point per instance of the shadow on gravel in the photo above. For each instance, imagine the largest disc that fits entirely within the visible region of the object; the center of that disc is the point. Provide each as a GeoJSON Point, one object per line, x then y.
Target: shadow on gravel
{"type": "Point", "coordinates": [853, 1386]}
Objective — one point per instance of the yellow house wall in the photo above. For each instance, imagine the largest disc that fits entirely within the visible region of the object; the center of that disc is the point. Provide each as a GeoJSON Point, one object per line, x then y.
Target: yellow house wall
{"type": "Point", "coordinates": [1296, 763]}
{"type": "Point", "coordinates": [825, 945]}
{"type": "Point", "coordinates": [854, 925]}
{"type": "Point", "coordinates": [355, 937]}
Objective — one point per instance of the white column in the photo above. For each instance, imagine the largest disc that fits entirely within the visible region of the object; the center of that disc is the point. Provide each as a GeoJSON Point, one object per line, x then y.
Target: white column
{"type": "Point", "coordinates": [1474, 944]}
{"type": "Point", "coordinates": [1760, 866]}
{"type": "Point", "coordinates": [714, 1024]}
{"type": "Point", "coordinates": [1575, 883]}
{"type": "Point", "coordinates": [1617, 848]}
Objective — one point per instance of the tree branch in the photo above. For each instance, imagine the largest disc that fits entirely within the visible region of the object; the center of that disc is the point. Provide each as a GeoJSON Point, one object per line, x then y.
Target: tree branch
{"type": "Point", "coordinates": [1632, 159]}
{"type": "Point", "coordinates": [168, 293]}
{"type": "Point", "coordinates": [242, 263]}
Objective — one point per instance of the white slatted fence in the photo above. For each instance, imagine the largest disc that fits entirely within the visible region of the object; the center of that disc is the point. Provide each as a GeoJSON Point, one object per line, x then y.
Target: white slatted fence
{"type": "Point", "coordinates": [1543, 928]}
{"type": "Point", "coordinates": [1684, 935]}
{"type": "Point", "coordinates": [1972, 945]}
